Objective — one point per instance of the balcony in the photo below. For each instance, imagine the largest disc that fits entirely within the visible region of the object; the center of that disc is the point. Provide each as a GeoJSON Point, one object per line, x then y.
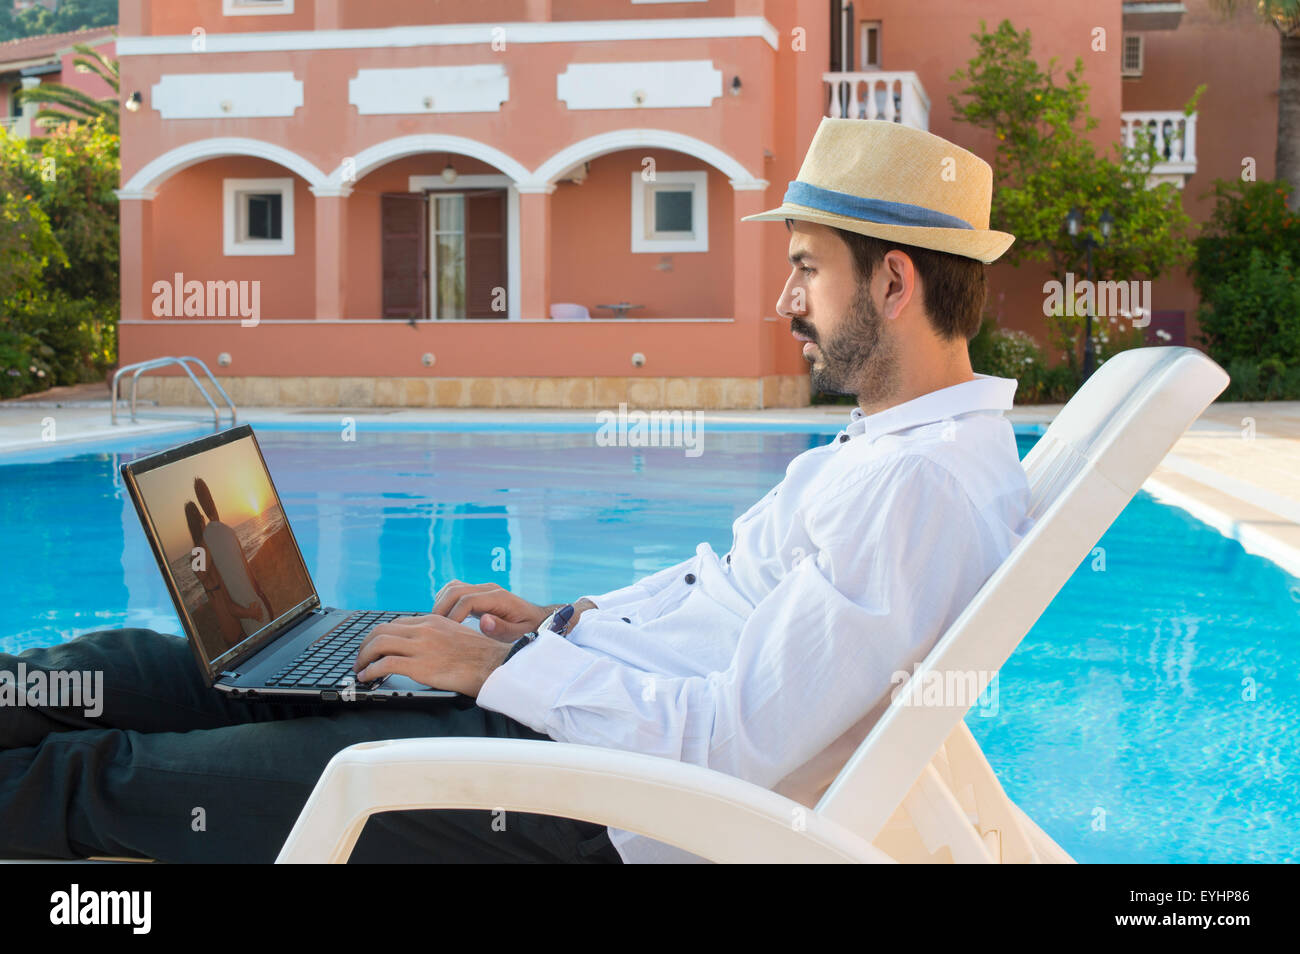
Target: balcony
{"type": "Point", "coordinates": [1175, 140]}
{"type": "Point", "coordinates": [878, 94]}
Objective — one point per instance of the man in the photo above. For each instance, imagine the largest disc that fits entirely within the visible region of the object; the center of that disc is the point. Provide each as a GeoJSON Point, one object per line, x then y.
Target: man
{"type": "Point", "coordinates": [227, 555]}
{"type": "Point", "coordinates": [769, 662]}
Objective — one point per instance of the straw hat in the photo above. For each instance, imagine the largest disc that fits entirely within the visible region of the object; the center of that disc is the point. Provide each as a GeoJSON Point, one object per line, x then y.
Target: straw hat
{"type": "Point", "coordinates": [895, 183]}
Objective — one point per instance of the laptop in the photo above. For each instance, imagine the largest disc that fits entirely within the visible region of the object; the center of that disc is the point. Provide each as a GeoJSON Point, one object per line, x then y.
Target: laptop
{"type": "Point", "coordinates": [237, 578]}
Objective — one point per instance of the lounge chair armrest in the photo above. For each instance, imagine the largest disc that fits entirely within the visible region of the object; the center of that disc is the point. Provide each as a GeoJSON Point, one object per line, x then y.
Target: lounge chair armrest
{"type": "Point", "coordinates": [708, 813]}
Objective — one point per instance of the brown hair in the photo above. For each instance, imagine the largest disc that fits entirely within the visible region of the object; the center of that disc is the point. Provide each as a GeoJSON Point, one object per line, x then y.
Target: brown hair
{"type": "Point", "coordinates": [195, 520]}
{"type": "Point", "coordinates": [953, 287]}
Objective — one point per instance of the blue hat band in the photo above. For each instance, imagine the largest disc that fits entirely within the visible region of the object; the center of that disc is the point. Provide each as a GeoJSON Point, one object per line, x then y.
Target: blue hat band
{"type": "Point", "coordinates": [879, 211]}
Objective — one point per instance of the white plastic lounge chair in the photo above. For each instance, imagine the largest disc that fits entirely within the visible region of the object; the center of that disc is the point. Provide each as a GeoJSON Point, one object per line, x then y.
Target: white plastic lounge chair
{"type": "Point", "coordinates": [567, 311]}
{"type": "Point", "coordinates": [917, 788]}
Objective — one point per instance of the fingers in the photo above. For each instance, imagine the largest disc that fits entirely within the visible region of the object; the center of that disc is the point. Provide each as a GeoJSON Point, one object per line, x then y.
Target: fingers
{"type": "Point", "coordinates": [498, 628]}
{"type": "Point", "coordinates": [387, 666]}
{"type": "Point", "coordinates": [448, 596]}
{"type": "Point", "coordinates": [383, 642]}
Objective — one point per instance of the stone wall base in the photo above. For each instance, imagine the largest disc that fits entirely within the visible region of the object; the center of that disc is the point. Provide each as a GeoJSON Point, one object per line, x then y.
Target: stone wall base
{"type": "Point", "coordinates": [778, 390]}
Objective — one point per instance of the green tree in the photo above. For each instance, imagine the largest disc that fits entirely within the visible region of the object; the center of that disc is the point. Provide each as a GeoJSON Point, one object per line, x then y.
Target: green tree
{"type": "Point", "coordinates": [1044, 165]}
{"type": "Point", "coordinates": [1284, 15]}
{"type": "Point", "coordinates": [70, 15]}
{"type": "Point", "coordinates": [63, 104]}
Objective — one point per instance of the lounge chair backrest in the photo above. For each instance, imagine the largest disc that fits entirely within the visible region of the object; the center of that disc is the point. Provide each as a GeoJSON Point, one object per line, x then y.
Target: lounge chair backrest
{"type": "Point", "coordinates": [1082, 472]}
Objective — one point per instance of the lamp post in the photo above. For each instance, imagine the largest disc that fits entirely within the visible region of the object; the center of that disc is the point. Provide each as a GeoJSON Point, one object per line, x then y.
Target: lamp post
{"type": "Point", "coordinates": [1074, 225]}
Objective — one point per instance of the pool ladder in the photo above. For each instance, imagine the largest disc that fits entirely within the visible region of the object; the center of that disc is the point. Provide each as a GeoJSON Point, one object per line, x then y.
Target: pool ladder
{"type": "Point", "coordinates": [140, 367]}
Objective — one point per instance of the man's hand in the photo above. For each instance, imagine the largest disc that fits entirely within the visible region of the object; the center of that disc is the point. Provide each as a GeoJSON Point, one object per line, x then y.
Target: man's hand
{"type": "Point", "coordinates": [433, 651]}
{"type": "Point", "coordinates": [501, 614]}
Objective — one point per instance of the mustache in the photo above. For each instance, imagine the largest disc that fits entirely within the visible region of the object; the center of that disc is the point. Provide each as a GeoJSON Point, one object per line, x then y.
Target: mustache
{"type": "Point", "coordinates": [800, 326]}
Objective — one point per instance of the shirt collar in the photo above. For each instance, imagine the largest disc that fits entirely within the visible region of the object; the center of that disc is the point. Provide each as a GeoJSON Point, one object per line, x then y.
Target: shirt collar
{"type": "Point", "coordinates": [985, 393]}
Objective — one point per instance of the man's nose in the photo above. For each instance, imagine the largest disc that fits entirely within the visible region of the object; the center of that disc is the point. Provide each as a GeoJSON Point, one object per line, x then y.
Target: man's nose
{"type": "Point", "coordinates": [790, 296]}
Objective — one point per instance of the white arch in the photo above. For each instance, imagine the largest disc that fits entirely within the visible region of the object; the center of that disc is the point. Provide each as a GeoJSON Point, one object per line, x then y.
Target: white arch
{"type": "Point", "coordinates": [618, 139]}
{"type": "Point", "coordinates": [372, 157]}
{"type": "Point", "coordinates": [144, 184]}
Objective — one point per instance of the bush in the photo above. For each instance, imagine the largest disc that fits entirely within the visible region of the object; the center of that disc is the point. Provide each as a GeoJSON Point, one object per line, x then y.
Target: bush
{"type": "Point", "coordinates": [1254, 313]}
{"type": "Point", "coordinates": [1014, 354]}
{"type": "Point", "coordinates": [22, 368]}
{"type": "Point", "coordinates": [70, 340]}
{"type": "Point", "coordinates": [1250, 300]}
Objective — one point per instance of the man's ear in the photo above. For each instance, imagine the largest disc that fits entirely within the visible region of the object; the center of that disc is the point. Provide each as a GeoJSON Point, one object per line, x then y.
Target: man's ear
{"type": "Point", "coordinates": [899, 277]}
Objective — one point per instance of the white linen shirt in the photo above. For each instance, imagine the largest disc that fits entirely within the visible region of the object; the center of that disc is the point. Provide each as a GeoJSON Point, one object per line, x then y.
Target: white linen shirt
{"type": "Point", "coordinates": [772, 662]}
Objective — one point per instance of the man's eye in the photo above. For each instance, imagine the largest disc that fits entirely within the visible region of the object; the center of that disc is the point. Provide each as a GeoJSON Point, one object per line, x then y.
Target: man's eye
{"type": "Point", "coordinates": [805, 269]}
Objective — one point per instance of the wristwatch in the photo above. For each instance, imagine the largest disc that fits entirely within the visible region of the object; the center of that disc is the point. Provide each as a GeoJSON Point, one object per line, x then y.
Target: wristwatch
{"type": "Point", "coordinates": [557, 622]}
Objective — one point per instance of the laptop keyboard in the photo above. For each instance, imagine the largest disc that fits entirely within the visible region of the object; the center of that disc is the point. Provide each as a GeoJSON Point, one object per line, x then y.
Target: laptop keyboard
{"type": "Point", "coordinates": [327, 663]}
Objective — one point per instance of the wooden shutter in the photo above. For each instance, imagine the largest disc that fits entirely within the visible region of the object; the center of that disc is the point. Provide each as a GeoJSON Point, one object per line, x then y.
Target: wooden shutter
{"type": "Point", "coordinates": [404, 236]}
{"type": "Point", "coordinates": [485, 252]}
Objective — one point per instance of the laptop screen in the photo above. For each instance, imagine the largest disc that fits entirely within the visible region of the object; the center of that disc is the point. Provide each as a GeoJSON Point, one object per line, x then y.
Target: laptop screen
{"type": "Point", "coordinates": [233, 562]}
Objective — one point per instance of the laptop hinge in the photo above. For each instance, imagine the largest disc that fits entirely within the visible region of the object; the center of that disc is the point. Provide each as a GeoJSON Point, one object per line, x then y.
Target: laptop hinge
{"type": "Point", "coordinates": [313, 607]}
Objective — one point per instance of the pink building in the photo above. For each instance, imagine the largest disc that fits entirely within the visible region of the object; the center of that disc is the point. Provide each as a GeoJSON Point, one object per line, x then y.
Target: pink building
{"type": "Point", "coordinates": [38, 60]}
{"type": "Point", "coordinates": [408, 202]}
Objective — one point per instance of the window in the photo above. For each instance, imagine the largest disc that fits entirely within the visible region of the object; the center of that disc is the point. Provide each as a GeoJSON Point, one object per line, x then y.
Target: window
{"type": "Point", "coordinates": [15, 107]}
{"type": "Point", "coordinates": [447, 245]}
{"type": "Point", "coordinates": [258, 216]}
{"type": "Point", "coordinates": [670, 214]}
{"type": "Point", "coordinates": [244, 8]}
{"type": "Point", "coordinates": [1131, 60]}
{"type": "Point", "coordinates": [871, 45]}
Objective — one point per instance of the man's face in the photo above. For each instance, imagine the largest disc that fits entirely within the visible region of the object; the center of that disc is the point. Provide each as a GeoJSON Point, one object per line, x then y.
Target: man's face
{"type": "Point", "coordinates": [845, 338]}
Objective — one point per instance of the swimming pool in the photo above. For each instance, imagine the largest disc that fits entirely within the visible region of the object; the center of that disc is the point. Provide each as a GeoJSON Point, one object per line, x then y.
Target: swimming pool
{"type": "Point", "coordinates": [1123, 725]}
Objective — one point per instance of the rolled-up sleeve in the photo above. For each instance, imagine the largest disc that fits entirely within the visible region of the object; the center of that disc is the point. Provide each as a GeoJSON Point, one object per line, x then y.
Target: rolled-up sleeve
{"type": "Point", "coordinates": [897, 558]}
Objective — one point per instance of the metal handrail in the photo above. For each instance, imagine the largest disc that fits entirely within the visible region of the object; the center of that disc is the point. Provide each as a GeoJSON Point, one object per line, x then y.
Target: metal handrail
{"type": "Point", "coordinates": [140, 367]}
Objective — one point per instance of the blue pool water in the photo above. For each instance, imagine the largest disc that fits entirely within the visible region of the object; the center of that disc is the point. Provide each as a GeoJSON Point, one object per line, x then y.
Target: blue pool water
{"type": "Point", "coordinates": [1122, 724]}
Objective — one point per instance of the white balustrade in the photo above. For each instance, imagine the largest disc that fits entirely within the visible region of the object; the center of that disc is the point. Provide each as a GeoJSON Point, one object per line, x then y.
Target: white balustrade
{"type": "Point", "coordinates": [897, 97]}
{"type": "Point", "coordinates": [1174, 134]}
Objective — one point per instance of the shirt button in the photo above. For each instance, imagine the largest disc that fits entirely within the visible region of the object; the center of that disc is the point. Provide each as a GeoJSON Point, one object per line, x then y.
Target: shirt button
{"type": "Point", "coordinates": [843, 438]}
{"type": "Point", "coordinates": [728, 557]}
{"type": "Point", "coordinates": [690, 577]}
{"type": "Point", "coordinates": [626, 620]}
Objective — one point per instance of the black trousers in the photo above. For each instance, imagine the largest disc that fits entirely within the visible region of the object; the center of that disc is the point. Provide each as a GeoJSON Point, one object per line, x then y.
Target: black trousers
{"type": "Point", "coordinates": [174, 771]}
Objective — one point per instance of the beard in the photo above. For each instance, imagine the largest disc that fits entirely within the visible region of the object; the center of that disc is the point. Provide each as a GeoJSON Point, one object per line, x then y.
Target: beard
{"type": "Point", "coordinates": [858, 358]}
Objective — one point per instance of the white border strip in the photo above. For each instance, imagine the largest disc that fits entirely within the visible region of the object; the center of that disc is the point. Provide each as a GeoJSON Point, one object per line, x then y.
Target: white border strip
{"type": "Point", "coordinates": [457, 34]}
{"type": "Point", "coordinates": [1251, 540]}
{"type": "Point", "coordinates": [1255, 496]}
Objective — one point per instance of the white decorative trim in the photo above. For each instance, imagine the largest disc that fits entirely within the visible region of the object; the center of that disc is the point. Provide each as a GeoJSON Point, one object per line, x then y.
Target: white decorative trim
{"type": "Point", "coordinates": [620, 139]}
{"type": "Point", "coordinates": [159, 169]}
{"type": "Point", "coordinates": [430, 89]}
{"type": "Point", "coordinates": [372, 157]}
{"type": "Point", "coordinates": [641, 192]}
{"type": "Point", "coordinates": [244, 8]}
{"type": "Point", "coordinates": [226, 95]}
{"type": "Point", "coordinates": [460, 34]}
{"type": "Point", "coordinates": [514, 269]}
{"type": "Point", "coordinates": [232, 245]}
{"type": "Point", "coordinates": [662, 84]}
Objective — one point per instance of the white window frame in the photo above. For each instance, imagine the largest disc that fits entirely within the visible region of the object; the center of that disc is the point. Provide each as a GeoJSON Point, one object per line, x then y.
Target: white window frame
{"type": "Point", "coordinates": [867, 27]}
{"type": "Point", "coordinates": [1123, 51]}
{"type": "Point", "coordinates": [231, 190]}
{"type": "Point", "coordinates": [243, 8]}
{"type": "Point", "coordinates": [641, 197]}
